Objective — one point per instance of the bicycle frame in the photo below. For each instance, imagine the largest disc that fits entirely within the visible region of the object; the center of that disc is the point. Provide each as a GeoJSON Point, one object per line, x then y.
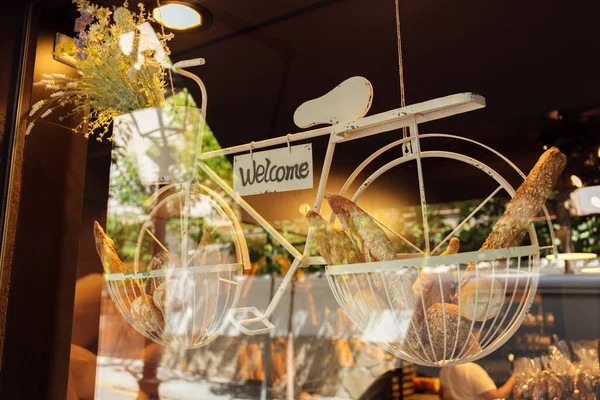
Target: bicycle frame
{"type": "Point", "coordinates": [409, 116]}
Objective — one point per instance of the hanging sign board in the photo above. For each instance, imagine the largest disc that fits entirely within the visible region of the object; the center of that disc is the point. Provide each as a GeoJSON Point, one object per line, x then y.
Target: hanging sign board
{"type": "Point", "coordinates": [279, 170]}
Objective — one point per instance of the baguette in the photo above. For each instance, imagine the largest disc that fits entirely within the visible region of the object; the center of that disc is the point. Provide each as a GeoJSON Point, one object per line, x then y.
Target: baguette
{"type": "Point", "coordinates": [373, 245]}
{"type": "Point", "coordinates": [509, 231]}
{"type": "Point", "coordinates": [370, 240]}
{"type": "Point", "coordinates": [511, 228]}
{"type": "Point", "coordinates": [107, 251]}
{"type": "Point", "coordinates": [335, 246]}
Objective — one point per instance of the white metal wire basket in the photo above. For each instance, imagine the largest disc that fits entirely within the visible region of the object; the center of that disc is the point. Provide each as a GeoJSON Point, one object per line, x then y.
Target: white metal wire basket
{"type": "Point", "coordinates": [190, 310]}
{"type": "Point", "coordinates": [185, 299]}
{"type": "Point", "coordinates": [379, 298]}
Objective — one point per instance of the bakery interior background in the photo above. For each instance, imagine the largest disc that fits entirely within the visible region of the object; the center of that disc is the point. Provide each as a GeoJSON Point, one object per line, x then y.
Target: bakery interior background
{"type": "Point", "coordinates": [528, 60]}
{"type": "Point", "coordinates": [535, 62]}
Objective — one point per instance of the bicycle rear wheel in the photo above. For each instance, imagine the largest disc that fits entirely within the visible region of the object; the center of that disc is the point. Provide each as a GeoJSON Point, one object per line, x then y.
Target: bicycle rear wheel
{"type": "Point", "coordinates": [182, 292]}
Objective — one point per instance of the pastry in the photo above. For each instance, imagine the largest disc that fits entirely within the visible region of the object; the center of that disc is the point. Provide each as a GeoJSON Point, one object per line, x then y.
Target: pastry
{"type": "Point", "coordinates": [481, 299]}
{"type": "Point", "coordinates": [146, 314]}
{"type": "Point", "coordinates": [451, 331]}
{"type": "Point", "coordinates": [370, 240]}
{"type": "Point", "coordinates": [172, 295]}
{"type": "Point", "coordinates": [335, 246]}
{"type": "Point", "coordinates": [107, 251]}
{"type": "Point", "coordinates": [511, 228]}
{"type": "Point", "coordinates": [158, 262]}
{"type": "Point", "coordinates": [453, 247]}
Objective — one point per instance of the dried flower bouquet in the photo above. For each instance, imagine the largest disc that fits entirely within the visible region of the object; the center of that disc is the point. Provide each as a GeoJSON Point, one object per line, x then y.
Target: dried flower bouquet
{"type": "Point", "coordinates": [121, 62]}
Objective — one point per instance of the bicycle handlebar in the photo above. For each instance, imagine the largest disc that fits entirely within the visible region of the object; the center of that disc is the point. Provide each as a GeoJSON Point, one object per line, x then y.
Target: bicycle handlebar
{"type": "Point", "coordinates": [195, 62]}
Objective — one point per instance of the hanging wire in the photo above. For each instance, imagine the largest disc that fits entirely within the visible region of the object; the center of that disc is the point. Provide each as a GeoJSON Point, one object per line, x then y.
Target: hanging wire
{"type": "Point", "coordinates": [162, 30]}
{"type": "Point", "coordinates": [400, 63]}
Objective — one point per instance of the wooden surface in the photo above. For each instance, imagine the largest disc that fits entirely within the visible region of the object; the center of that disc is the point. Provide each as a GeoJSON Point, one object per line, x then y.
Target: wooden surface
{"type": "Point", "coordinates": [46, 237]}
{"type": "Point", "coordinates": [11, 150]}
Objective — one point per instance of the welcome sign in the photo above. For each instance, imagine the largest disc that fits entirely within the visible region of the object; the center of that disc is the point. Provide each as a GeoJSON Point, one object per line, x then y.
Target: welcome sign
{"type": "Point", "coordinates": [279, 170]}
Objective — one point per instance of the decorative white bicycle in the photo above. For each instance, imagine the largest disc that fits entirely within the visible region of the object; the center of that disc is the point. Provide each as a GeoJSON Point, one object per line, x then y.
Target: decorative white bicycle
{"type": "Point", "coordinates": [208, 293]}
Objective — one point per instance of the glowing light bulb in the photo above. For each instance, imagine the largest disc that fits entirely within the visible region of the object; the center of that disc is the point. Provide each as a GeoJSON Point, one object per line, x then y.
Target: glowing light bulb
{"type": "Point", "coordinates": [595, 201]}
{"type": "Point", "coordinates": [177, 16]}
{"type": "Point", "coordinates": [304, 209]}
{"type": "Point", "coordinates": [576, 181]}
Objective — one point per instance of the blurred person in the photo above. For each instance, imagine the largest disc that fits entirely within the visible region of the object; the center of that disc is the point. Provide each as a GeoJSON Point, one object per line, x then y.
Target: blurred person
{"type": "Point", "coordinates": [470, 382]}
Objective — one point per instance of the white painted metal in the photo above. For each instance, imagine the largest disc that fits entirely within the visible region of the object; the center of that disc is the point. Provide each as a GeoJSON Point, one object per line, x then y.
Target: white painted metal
{"type": "Point", "coordinates": [173, 272]}
{"type": "Point", "coordinates": [349, 101]}
{"type": "Point", "coordinates": [374, 124]}
{"type": "Point", "coordinates": [432, 261]}
{"type": "Point", "coordinates": [422, 112]}
{"type": "Point", "coordinates": [348, 280]}
{"type": "Point", "coordinates": [416, 148]}
{"type": "Point", "coordinates": [238, 199]}
{"type": "Point", "coordinates": [467, 219]}
{"type": "Point", "coordinates": [213, 293]}
{"type": "Point", "coordinates": [178, 67]}
{"type": "Point", "coordinates": [259, 317]}
{"type": "Point", "coordinates": [123, 287]}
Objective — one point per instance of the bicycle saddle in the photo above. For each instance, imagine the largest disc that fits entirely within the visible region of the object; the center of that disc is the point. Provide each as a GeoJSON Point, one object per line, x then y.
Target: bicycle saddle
{"type": "Point", "coordinates": [349, 101]}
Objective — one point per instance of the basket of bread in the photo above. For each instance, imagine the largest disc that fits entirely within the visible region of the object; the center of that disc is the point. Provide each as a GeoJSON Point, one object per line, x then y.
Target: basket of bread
{"type": "Point", "coordinates": [437, 310]}
{"type": "Point", "coordinates": [171, 304]}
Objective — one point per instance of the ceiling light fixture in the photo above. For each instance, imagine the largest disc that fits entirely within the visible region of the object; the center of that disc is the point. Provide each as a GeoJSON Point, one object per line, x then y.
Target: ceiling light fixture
{"type": "Point", "coordinates": [177, 16]}
{"type": "Point", "coordinates": [572, 256]}
{"type": "Point", "coordinates": [576, 181]}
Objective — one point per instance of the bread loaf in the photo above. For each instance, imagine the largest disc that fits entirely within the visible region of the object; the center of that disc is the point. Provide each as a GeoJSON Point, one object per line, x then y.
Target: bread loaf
{"type": "Point", "coordinates": [451, 331]}
{"type": "Point", "coordinates": [429, 285]}
{"type": "Point", "coordinates": [335, 246]}
{"type": "Point", "coordinates": [146, 314]}
{"type": "Point", "coordinates": [370, 240]}
{"type": "Point", "coordinates": [510, 230]}
{"type": "Point", "coordinates": [482, 298]}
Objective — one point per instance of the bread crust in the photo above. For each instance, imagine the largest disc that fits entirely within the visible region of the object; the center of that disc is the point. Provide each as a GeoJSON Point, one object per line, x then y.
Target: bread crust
{"type": "Point", "coordinates": [369, 239]}
{"type": "Point", "coordinates": [107, 251]}
{"type": "Point", "coordinates": [334, 245]}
